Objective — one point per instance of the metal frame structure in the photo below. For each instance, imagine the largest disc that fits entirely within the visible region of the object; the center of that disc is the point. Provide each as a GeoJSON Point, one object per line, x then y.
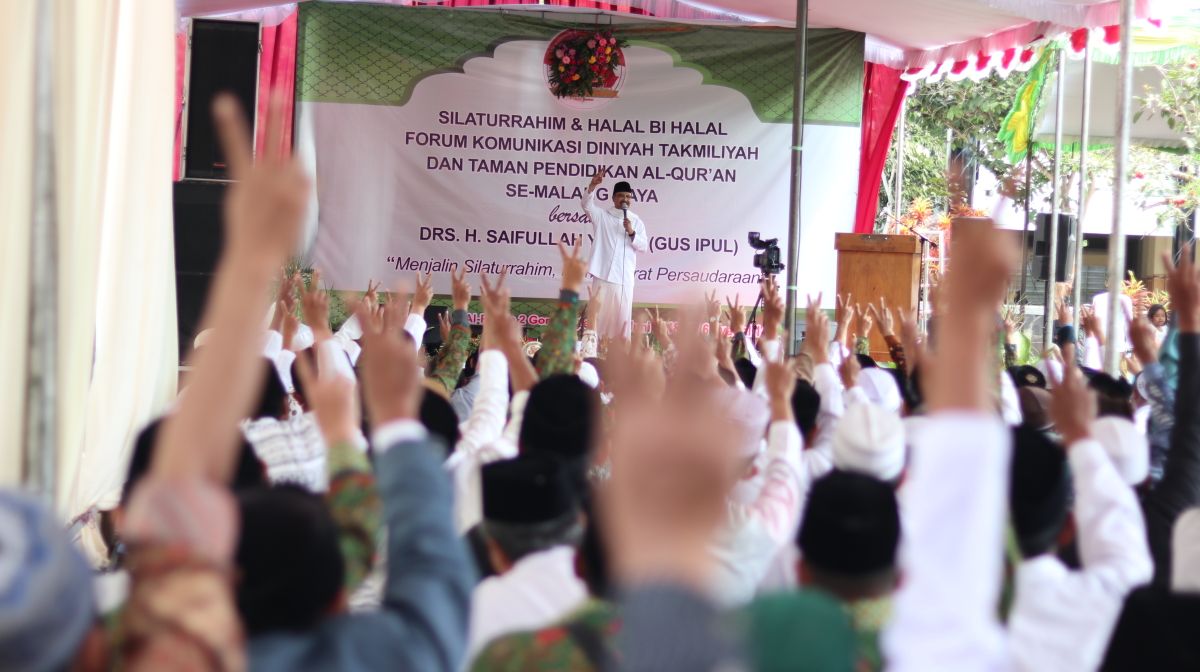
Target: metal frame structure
{"type": "Point", "coordinates": [801, 77]}
{"type": "Point", "coordinates": [1055, 206]}
{"type": "Point", "coordinates": [1116, 241]}
{"type": "Point", "coordinates": [1084, 138]}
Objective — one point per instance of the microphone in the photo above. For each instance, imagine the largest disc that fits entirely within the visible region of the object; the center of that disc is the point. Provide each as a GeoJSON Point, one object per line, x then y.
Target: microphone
{"type": "Point", "coordinates": [624, 213]}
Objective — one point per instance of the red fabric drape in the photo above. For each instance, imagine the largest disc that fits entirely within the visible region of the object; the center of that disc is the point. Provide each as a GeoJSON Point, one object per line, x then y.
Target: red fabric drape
{"type": "Point", "coordinates": [883, 94]}
{"type": "Point", "coordinates": [276, 71]}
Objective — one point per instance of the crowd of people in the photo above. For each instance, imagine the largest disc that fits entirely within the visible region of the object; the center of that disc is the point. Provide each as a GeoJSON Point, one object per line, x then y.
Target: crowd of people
{"type": "Point", "coordinates": [690, 499]}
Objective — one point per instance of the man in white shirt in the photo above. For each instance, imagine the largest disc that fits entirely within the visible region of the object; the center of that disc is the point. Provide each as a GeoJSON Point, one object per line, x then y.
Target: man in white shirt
{"type": "Point", "coordinates": [1062, 619]}
{"type": "Point", "coordinates": [532, 524]}
{"type": "Point", "coordinates": [618, 235]}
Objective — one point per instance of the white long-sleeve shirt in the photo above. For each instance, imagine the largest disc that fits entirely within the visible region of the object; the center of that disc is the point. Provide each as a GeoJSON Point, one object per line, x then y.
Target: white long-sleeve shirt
{"type": "Point", "coordinates": [538, 590]}
{"type": "Point", "coordinates": [956, 502]}
{"type": "Point", "coordinates": [484, 438]}
{"type": "Point", "coordinates": [1062, 619]}
{"type": "Point", "coordinates": [755, 532]}
{"type": "Point", "coordinates": [614, 253]}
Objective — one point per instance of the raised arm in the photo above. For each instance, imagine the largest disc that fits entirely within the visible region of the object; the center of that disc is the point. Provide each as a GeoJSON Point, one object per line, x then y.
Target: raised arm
{"type": "Point", "coordinates": [426, 598]}
{"type": "Point", "coordinates": [486, 422]}
{"type": "Point", "coordinates": [456, 350]}
{"type": "Point", "coordinates": [1179, 488]}
{"type": "Point", "coordinates": [588, 201]}
{"type": "Point", "coordinates": [558, 341]}
{"type": "Point", "coordinates": [955, 499]}
{"type": "Point", "coordinates": [778, 503]}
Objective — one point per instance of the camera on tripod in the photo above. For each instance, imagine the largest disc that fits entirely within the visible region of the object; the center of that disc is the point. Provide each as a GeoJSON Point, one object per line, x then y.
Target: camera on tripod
{"type": "Point", "coordinates": [769, 259]}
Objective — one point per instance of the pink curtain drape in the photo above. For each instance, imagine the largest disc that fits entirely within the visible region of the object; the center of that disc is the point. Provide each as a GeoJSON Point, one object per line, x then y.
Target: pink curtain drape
{"type": "Point", "coordinates": [883, 94]}
{"type": "Point", "coordinates": [276, 72]}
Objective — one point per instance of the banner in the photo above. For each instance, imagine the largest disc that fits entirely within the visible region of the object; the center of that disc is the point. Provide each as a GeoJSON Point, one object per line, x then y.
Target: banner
{"type": "Point", "coordinates": [438, 141]}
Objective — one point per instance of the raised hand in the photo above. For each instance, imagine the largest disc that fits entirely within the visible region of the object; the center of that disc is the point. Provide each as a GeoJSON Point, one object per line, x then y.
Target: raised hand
{"type": "Point", "coordinates": [816, 337]}
{"type": "Point", "coordinates": [597, 178]}
{"type": "Point", "coordinates": [662, 333]}
{"type": "Point", "coordinates": [460, 289]}
{"type": "Point", "coordinates": [370, 299]}
{"type": "Point", "coordinates": [290, 326]}
{"type": "Point", "coordinates": [443, 319]}
{"type": "Point", "coordinates": [333, 401]}
{"type": "Point", "coordinates": [910, 338]}
{"type": "Point", "coordinates": [773, 307]}
{"type": "Point", "coordinates": [712, 306]}
{"type": "Point", "coordinates": [266, 199]}
{"type": "Point", "coordinates": [574, 266]}
{"type": "Point", "coordinates": [865, 321]}
{"type": "Point", "coordinates": [422, 295]}
{"type": "Point", "coordinates": [1072, 405]}
{"type": "Point", "coordinates": [314, 302]}
{"type": "Point", "coordinates": [391, 389]}
{"type": "Point", "coordinates": [884, 317]}
{"type": "Point", "coordinates": [395, 311]}
{"type": "Point", "coordinates": [737, 317]}
{"type": "Point", "coordinates": [496, 301]}
{"type": "Point", "coordinates": [984, 261]}
{"type": "Point", "coordinates": [849, 371]}
{"type": "Point", "coordinates": [673, 467]}
{"type": "Point", "coordinates": [781, 383]}
{"type": "Point", "coordinates": [1183, 284]}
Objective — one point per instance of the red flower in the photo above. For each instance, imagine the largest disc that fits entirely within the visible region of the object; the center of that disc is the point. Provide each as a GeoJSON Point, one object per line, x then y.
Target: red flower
{"type": "Point", "coordinates": [1179, 202]}
{"type": "Point", "coordinates": [1139, 175]}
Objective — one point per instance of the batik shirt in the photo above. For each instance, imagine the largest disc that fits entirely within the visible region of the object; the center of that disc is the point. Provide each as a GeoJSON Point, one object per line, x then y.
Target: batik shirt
{"type": "Point", "coordinates": [551, 649]}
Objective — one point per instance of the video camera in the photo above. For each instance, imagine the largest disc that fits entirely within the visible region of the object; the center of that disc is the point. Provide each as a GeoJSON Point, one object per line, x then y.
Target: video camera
{"type": "Point", "coordinates": [769, 259]}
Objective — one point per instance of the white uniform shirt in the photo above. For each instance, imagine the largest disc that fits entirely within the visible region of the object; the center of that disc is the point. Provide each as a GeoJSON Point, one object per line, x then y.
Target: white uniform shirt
{"type": "Point", "coordinates": [614, 253]}
{"type": "Point", "coordinates": [956, 503]}
{"type": "Point", "coordinates": [540, 589]}
{"type": "Point", "coordinates": [1062, 619]}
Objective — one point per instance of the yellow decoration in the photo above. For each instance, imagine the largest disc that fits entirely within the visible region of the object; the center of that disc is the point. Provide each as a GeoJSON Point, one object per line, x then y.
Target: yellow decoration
{"type": "Point", "coordinates": [592, 59]}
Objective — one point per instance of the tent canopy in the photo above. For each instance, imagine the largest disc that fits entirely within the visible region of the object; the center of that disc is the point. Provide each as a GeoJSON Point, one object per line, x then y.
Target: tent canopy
{"type": "Point", "coordinates": [902, 34]}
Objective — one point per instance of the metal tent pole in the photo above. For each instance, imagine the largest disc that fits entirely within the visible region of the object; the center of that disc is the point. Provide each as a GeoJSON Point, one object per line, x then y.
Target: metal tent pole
{"type": "Point", "coordinates": [1055, 206]}
{"type": "Point", "coordinates": [41, 395]}
{"type": "Point", "coordinates": [801, 75]}
{"type": "Point", "coordinates": [1025, 229]}
{"type": "Point", "coordinates": [901, 142]}
{"type": "Point", "coordinates": [1084, 138]}
{"type": "Point", "coordinates": [1116, 241]}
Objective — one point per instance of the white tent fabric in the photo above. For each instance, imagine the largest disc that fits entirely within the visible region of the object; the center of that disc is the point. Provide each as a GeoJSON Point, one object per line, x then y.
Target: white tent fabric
{"type": "Point", "coordinates": [1148, 131]}
{"type": "Point", "coordinates": [909, 34]}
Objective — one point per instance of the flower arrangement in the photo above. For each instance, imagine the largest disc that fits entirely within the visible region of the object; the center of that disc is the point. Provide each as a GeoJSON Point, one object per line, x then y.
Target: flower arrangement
{"type": "Point", "coordinates": [581, 61]}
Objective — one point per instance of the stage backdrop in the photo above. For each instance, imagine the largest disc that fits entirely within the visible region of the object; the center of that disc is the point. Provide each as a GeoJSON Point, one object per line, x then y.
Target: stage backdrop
{"type": "Point", "coordinates": [436, 141]}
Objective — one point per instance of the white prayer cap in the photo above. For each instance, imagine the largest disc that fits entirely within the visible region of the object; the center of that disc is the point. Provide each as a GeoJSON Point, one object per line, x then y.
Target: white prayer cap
{"type": "Point", "coordinates": [202, 339]}
{"type": "Point", "coordinates": [1126, 446]}
{"type": "Point", "coordinates": [870, 440]}
{"type": "Point", "coordinates": [1185, 553]}
{"type": "Point", "coordinates": [588, 374]}
{"type": "Point", "coordinates": [750, 417]}
{"type": "Point", "coordinates": [881, 389]}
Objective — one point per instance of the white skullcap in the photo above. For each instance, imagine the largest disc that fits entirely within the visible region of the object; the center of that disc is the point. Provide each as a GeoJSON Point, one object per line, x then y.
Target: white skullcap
{"type": "Point", "coordinates": [1126, 446]}
{"type": "Point", "coordinates": [750, 417]}
{"type": "Point", "coordinates": [881, 389]}
{"type": "Point", "coordinates": [870, 440]}
{"type": "Point", "coordinates": [588, 374]}
{"type": "Point", "coordinates": [1185, 553]}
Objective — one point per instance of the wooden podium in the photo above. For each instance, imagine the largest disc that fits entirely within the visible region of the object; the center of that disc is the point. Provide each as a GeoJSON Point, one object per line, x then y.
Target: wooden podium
{"type": "Point", "coordinates": [871, 266]}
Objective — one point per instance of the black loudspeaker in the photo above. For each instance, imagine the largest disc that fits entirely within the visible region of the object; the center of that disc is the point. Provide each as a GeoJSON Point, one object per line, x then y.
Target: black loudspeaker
{"type": "Point", "coordinates": [223, 56]}
{"type": "Point", "coordinates": [1065, 249]}
{"type": "Point", "coordinates": [198, 240]}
